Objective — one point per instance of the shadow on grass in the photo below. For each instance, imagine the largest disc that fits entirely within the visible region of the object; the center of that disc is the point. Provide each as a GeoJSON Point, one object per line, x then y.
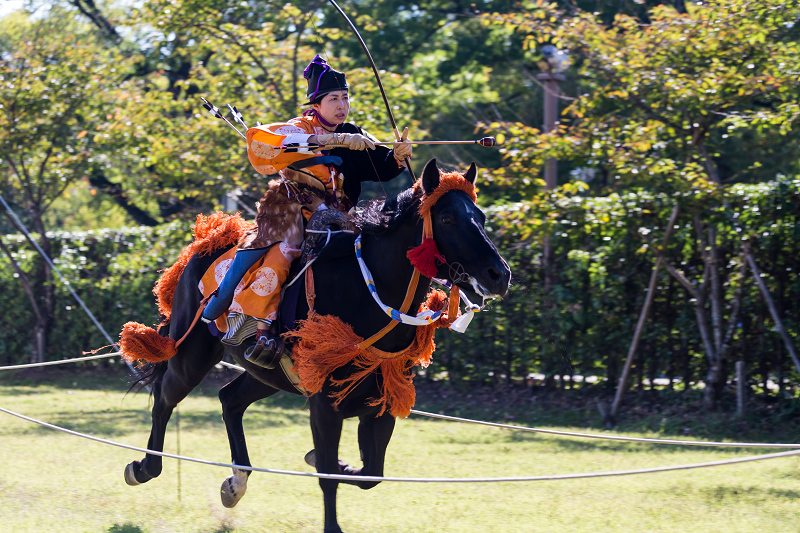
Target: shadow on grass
{"type": "Point", "coordinates": [116, 378]}
{"type": "Point", "coordinates": [9, 391]}
{"type": "Point", "coordinates": [281, 410]}
{"type": "Point", "coordinates": [725, 492]}
{"type": "Point", "coordinates": [720, 493]}
{"type": "Point", "coordinates": [125, 528]}
{"type": "Point", "coordinates": [493, 436]}
{"type": "Point", "coordinates": [567, 444]}
{"type": "Point", "coordinates": [107, 423]}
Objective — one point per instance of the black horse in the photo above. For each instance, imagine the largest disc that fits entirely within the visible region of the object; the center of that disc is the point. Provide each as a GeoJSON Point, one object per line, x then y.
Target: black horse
{"type": "Point", "coordinates": [389, 229]}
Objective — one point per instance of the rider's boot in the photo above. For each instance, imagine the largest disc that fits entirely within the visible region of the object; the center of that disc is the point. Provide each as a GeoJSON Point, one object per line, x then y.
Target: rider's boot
{"type": "Point", "coordinates": [220, 302]}
{"type": "Point", "coordinates": [268, 349]}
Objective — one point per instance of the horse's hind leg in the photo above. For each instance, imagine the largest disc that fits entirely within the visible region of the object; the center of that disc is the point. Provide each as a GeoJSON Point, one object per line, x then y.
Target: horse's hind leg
{"type": "Point", "coordinates": [326, 428]}
{"type": "Point", "coordinates": [236, 397]}
{"type": "Point", "coordinates": [186, 370]}
{"type": "Point", "coordinates": [148, 468]}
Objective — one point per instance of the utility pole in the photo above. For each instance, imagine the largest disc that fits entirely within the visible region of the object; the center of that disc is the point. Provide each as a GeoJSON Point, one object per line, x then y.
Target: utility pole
{"type": "Point", "coordinates": [551, 91]}
{"type": "Point", "coordinates": [550, 81]}
{"type": "Point", "coordinates": [555, 62]}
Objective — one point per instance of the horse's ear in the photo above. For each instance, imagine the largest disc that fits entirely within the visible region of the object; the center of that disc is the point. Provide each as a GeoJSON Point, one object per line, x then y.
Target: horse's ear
{"type": "Point", "coordinates": [471, 174]}
{"type": "Point", "coordinates": [430, 176]}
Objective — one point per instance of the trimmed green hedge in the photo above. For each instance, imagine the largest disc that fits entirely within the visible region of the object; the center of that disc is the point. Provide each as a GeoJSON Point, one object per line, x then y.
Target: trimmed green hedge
{"type": "Point", "coordinates": [583, 325]}
{"type": "Point", "coordinates": [112, 271]}
{"type": "Point", "coordinates": [601, 270]}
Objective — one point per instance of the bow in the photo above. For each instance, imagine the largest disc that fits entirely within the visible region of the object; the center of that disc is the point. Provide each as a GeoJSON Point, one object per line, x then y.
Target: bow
{"type": "Point", "coordinates": [377, 78]}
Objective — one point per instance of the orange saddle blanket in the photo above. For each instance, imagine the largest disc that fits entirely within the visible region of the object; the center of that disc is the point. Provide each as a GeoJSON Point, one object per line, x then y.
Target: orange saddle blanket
{"type": "Point", "coordinates": [258, 293]}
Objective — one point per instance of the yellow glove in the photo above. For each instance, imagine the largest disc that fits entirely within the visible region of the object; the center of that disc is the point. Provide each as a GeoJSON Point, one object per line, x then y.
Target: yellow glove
{"type": "Point", "coordinates": [353, 141]}
{"type": "Point", "coordinates": [403, 150]}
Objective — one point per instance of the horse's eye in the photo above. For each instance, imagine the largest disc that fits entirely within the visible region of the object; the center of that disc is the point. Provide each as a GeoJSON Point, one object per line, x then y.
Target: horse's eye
{"type": "Point", "coordinates": [447, 219]}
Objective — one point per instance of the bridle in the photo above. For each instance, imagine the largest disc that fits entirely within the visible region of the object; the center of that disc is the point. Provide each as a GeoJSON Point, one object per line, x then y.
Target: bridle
{"type": "Point", "coordinates": [424, 258]}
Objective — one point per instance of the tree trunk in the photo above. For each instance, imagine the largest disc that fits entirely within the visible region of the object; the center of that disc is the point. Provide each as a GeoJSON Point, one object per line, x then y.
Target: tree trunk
{"type": "Point", "coordinates": [39, 341]}
{"type": "Point", "coordinates": [46, 289]}
{"type": "Point", "coordinates": [712, 389]}
{"type": "Point", "coordinates": [715, 375]}
{"type": "Point", "coordinates": [763, 363]}
{"type": "Point", "coordinates": [39, 345]}
{"type": "Point", "coordinates": [509, 351]}
{"type": "Point", "coordinates": [670, 314]}
{"type": "Point", "coordinates": [686, 359]}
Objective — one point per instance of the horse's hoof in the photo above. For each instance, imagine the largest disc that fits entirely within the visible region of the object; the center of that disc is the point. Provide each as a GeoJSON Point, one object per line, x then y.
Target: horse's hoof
{"type": "Point", "coordinates": [233, 488]}
{"type": "Point", "coordinates": [311, 458]}
{"type": "Point", "coordinates": [130, 477]}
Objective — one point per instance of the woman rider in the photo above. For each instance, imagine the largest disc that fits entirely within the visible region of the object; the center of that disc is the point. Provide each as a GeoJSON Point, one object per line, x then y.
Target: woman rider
{"type": "Point", "coordinates": [308, 182]}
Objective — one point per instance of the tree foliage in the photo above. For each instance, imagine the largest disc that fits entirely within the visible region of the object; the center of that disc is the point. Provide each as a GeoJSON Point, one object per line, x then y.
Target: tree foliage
{"type": "Point", "coordinates": [57, 90]}
{"type": "Point", "coordinates": [661, 104]}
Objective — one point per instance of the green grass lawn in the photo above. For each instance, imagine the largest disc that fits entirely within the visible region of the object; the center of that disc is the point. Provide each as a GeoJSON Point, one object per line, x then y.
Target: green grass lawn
{"type": "Point", "coordinates": [51, 481]}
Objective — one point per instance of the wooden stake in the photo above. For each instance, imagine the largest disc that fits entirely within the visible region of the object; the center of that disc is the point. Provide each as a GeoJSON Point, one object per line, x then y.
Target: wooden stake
{"type": "Point", "coordinates": [787, 341]}
{"type": "Point", "coordinates": [642, 318]}
{"type": "Point", "coordinates": [740, 383]}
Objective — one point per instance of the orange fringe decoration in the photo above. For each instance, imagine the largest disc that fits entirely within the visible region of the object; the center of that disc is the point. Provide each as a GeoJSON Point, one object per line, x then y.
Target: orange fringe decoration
{"type": "Point", "coordinates": [140, 342]}
{"type": "Point", "coordinates": [210, 234]}
{"type": "Point", "coordinates": [447, 182]}
{"type": "Point", "coordinates": [325, 343]}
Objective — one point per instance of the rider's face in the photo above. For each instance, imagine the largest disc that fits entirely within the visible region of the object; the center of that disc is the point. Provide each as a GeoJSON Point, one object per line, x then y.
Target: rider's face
{"type": "Point", "coordinates": [334, 107]}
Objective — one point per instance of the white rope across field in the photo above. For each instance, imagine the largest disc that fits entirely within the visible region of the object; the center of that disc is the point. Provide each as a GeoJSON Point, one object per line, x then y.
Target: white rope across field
{"type": "Point", "coordinates": [611, 437]}
{"type": "Point", "coordinates": [61, 361]}
{"type": "Point", "coordinates": [491, 424]}
{"type": "Point", "coordinates": [587, 435]}
{"type": "Point", "coordinates": [343, 477]}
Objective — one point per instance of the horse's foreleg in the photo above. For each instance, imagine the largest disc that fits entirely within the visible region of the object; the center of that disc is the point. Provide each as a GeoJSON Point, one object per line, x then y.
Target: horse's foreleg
{"type": "Point", "coordinates": [236, 397]}
{"type": "Point", "coordinates": [326, 429]}
{"type": "Point", "coordinates": [373, 439]}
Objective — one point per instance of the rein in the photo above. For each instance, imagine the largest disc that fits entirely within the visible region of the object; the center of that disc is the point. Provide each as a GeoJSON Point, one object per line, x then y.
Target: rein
{"type": "Point", "coordinates": [423, 258]}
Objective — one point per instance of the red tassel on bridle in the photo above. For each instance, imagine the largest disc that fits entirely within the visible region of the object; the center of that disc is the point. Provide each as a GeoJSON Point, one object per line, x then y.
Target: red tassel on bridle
{"type": "Point", "coordinates": [424, 256]}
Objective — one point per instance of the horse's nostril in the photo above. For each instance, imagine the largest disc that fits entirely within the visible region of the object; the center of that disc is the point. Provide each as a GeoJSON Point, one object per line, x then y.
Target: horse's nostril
{"type": "Point", "coordinates": [494, 274]}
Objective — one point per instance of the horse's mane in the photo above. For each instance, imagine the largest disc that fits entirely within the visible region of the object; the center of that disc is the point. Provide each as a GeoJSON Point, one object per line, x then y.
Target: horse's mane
{"type": "Point", "coordinates": [211, 233]}
{"type": "Point", "coordinates": [383, 214]}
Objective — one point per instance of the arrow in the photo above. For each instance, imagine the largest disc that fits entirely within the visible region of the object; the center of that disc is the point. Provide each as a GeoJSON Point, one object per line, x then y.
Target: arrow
{"type": "Point", "coordinates": [214, 110]}
{"type": "Point", "coordinates": [488, 142]}
{"type": "Point", "coordinates": [237, 116]}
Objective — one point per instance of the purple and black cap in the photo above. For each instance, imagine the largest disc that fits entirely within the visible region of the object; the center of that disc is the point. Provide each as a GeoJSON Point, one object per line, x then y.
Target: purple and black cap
{"type": "Point", "coordinates": [322, 79]}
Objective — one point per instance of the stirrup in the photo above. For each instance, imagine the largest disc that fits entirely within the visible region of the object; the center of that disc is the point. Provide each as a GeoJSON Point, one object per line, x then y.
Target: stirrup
{"type": "Point", "coordinates": [266, 352]}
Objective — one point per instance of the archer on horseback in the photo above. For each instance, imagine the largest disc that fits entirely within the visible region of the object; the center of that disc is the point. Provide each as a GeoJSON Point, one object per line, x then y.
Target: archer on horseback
{"type": "Point", "coordinates": [309, 181]}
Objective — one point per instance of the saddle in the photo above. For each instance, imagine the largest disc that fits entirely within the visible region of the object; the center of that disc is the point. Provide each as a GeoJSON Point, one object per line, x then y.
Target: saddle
{"type": "Point", "coordinates": [320, 228]}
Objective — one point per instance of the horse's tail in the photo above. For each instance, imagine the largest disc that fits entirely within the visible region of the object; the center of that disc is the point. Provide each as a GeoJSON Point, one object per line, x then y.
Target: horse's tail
{"type": "Point", "coordinates": [138, 342]}
{"type": "Point", "coordinates": [211, 233]}
{"type": "Point", "coordinates": [148, 375]}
